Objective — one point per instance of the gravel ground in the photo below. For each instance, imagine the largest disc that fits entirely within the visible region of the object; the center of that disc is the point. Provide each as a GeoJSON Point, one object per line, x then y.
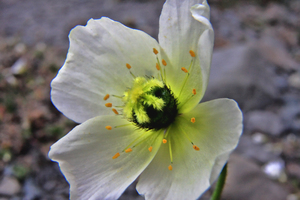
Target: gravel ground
{"type": "Point", "coordinates": [256, 62]}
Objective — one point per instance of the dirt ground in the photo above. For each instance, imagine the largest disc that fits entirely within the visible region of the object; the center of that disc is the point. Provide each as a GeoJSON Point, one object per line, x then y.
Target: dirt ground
{"type": "Point", "coordinates": [256, 62]}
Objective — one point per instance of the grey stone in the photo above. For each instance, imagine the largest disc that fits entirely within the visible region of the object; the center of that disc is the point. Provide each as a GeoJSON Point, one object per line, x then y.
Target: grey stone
{"type": "Point", "coordinates": [264, 121]}
{"type": "Point", "coordinates": [9, 186]}
{"type": "Point", "coordinates": [241, 73]}
{"type": "Point", "coordinates": [290, 115]}
{"type": "Point", "coordinates": [246, 181]}
{"type": "Point", "coordinates": [31, 191]}
{"type": "Point", "coordinates": [275, 52]}
{"type": "Point", "coordinates": [274, 169]}
{"type": "Point", "coordinates": [51, 21]}
{"type": "Point", "coordinates": [257, 152]}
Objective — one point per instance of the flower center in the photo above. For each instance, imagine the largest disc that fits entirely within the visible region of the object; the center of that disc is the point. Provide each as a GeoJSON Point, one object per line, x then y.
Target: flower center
{"type": "Point", "coordinates": [150, 104]}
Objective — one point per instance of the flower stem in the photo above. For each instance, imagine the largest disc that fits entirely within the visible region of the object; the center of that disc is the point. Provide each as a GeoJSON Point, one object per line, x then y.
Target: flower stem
{"type": "Point", "coordinates": [220, 184]}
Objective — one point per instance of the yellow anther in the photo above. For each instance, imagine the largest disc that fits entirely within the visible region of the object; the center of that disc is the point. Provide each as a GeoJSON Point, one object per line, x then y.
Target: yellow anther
{"type": "Point", "coordinates": [194, 91]}
{"type": "Point", "coordinates": [150, 149]}
{"type": "Point", "coordinates": [192, 53]}
{"type": "Point", "coordinates": [108, 127]}
{"type": "Point", "coordinates": [128, 150]}
{"type": "Point", "coordinates": [115, 111]}
{"type": "Point", "coordinates": [106, 97]}
{"type": "Point", "coordinates": [193, 120]}
{"type": "Point", "coordinates": [157, 66]}
{"type": "Point", "coordinates": [164, 62]}
{"type": "Point", "coordinates": [184, 69]}
{"type": "Point", "coordinates": [108, 104]}
{"type": "Point", "coordinates": [170, 167]}
{"type": "Point", "coordinates": [116, 155]}
{"type": "Point", "coordinates": [164, 141]}
{"type": "Point", "coordinates": [196, 148]}
{"type": "Point", "coordinates": [128, 66]}
{"type": "Point", "coordinates": [155, 51]}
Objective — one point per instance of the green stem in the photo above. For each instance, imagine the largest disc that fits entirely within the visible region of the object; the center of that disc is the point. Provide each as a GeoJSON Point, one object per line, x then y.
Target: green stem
{"type": "Point", "coordinates": [220, 184]}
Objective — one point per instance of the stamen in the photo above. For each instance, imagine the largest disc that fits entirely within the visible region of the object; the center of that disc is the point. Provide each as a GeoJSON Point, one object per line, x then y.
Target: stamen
{"type": "Point", "coordinates": [108, 127]}
{"type": "Point", "coordinates": [164, 62]}
{"type": "Point", "coordinates": [116, 155]}
{"type": "Point", "coordinates": [193, 120]}
{"type": "Point", "coordinates": [192, 53]}
{"type": "Point", "coordinates": [170, 167]}
{"type": "Point", "coordinates": [170, 151]}
{"type": "Point", "coordinates": [155, 51]}
{"type": "Point", "coordinates": [186, 78]}
{"type": "Point", "coordinates": [157, 67]}
{"type": "Point", "coordinates": [106, 97]}
{"type": "Point", "coordinates": [120, 97]}
{"type": "Point", "coordinates": [184, 69]}
{"type": "Point", "coordinates": [164, 141]}
{"type": "Point", "coordinates": [115, 111]}
{"type": "Point", "coordinates": [161, 71]}
{"type": "Point", "coordinates": [128, 66]}
{"type": "Point", "coordinates": [194, 91]}
{"type": "Point", "coordinates": [128, 150]}
{"type": "Point", "coordinates": [122, 125]}
{"type": "Point", "coordinates": [108, 104]}
{"type": "Point", "coordinates": [196, 148]}
{"type": "Point", "coordinates": [150, 148]}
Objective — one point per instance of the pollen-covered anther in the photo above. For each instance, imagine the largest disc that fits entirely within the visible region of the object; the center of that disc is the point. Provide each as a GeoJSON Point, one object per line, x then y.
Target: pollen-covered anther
{"type": "Point", "coordinates": [196, 148]}
{"type": "Point", "coordinates": [150, 148]}
{"type": "Point", "coordinates": [157, 66]}
{"type": "Point", "coordinates": [116, 155]}
{"type": "Point", "coordinates": [128, 66]}
{"type": "Point", "coordinates": [164, 141]}
{"type": "Point", "coordinates": [106, 97]}
{"type": "Point", "coordinates": [128, 150]}
{"type": "Point", "coordinates": [192, 53]}
{"type": "Point", "coordinates": [108, 104]}
{"type": "Point", "coordinates": [184, 69]}
{"type": "Point", "coordinates": [155, 51]}
{"type": "Point", "coordinates": [194, 91]}
{"type": "Point", "coordinates": [170, 167]}
{"type": "Point", "coordinates": [108, 127]}
{"type": "Point", "coordinates": [164, 62]}
{"type": "Point", "coordinates": [115, 111]}
{"type": "Point", "coordinates": [193, 120]}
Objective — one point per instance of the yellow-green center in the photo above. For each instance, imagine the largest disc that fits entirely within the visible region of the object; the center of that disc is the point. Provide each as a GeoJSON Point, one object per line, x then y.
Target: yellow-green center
{"type": "Point", "coordinates": [150, 104]}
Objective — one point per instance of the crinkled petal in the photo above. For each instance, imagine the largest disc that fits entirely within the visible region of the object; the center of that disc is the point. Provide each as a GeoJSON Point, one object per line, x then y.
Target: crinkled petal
{"type": "Point", "coordinates": [185, 26]}
{"type": "Point", "coordinates": [85, 157]}
{"type": "Point", "coordinates": [216, 131]}
{"type": "Point", "coordinates": [96, 66]}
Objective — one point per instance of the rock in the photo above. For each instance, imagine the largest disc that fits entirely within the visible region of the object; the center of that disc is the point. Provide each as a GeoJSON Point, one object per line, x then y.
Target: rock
{"type": "Point", "coordinates": [293, 169]}
{"type": "Point", "coordinates": [275, 12]}
{"type": "Point", "coordinates": [264, 121]}
{"type": "Point", "coordinates": [241, 73]}
{"type": "Point", "coordinates": [274, 169]}
{"type": "Point", "coordinates": [246, 181]}
{"type": "Point", "coordinates": [290, 113]}
{"type": "Point", "coordinates": [31, 191]}
{"type": "Point", "coordinates": [9, 186]}
{"type": "Point", "coordinates": [257, 152]}
{"type": "Point", "coordinates": [19, 67]}
{"type": "Point", "coordinates": [294, 80]}
{"type": "Point", "coordinates": [291, 146]}
{"type": "Point", "coordinates": [275, 52]}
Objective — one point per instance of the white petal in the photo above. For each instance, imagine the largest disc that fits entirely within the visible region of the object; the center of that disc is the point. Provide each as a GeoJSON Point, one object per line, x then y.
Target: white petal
{"type": "Point", "coordinates": [216, 132]}
{"type": "Point", "coordinates": [85, 157]}
{"type": "Point", "coordinates": [96, 66]}
{"type": "Point", "coordinates": [185, 26]}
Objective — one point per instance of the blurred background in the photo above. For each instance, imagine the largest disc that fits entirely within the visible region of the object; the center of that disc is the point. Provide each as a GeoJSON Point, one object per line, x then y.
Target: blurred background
{"type": "Point", "coordinates": [256, 62]}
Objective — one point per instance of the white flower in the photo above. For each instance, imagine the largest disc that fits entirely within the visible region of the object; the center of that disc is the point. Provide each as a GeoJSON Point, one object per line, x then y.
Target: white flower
{"type": "Point", "coordinates": [138, 102]}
